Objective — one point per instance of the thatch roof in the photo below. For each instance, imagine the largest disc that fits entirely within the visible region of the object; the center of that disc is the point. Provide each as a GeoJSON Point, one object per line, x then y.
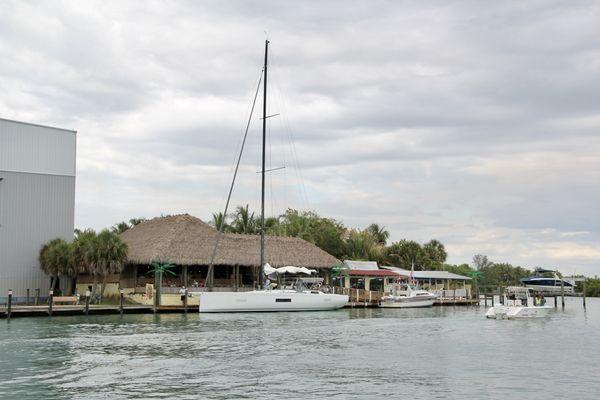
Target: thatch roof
{"type": "Point", "coordinates": [186, 240]}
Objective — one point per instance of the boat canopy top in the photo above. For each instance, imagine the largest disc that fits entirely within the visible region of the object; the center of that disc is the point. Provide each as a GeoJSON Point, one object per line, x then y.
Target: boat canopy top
{"type": "Point", "coordinates": [270, 271]}
{"type": "Point", "coordinates": [542, 270]}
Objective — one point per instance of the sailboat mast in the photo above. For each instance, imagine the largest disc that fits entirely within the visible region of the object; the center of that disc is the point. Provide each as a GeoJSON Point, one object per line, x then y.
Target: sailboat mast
{"type": "Point", "coordinates": [262, 172]}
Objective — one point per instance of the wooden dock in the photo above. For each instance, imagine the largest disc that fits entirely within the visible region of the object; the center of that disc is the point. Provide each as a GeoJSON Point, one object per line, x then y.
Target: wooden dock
{"type": "Point", "coordinates": [456, 302]}
{"type": "Point", "coordinates": [57, 310]}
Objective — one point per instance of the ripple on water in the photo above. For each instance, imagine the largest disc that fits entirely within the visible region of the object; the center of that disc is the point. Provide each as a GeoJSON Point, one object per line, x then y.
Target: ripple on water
{"type": "Point", "coordinates": [358, 353]}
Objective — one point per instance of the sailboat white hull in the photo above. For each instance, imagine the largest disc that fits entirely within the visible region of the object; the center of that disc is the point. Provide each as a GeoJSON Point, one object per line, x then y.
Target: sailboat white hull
{"type": "Point", "coordinates": [270, 300]}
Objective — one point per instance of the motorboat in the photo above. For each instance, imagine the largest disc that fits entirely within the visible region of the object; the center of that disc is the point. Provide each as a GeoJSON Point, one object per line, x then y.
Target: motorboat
{"type": "Point", "coordinates": [272, 296]}
{"type": "Point", "coordinates": [554, 285]}
{"type": "Point", "coordinates": [518, 303]}
{"type": "Point", "coordinates": [405, 295]}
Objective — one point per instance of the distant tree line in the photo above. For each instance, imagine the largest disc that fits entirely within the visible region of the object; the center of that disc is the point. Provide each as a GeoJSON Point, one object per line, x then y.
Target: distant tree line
{"type": "Point", "coordinates": [372, 244]}
{"type": "Point", "coordinates": [332, 236]}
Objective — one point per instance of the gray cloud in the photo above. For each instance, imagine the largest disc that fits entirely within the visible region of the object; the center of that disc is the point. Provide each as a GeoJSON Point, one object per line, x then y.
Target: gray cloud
{"type": "Point", "coordinates": [474, 123]}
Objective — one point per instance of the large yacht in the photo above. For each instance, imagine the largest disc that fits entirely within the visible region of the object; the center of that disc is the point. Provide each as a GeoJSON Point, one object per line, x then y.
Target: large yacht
{"type": "Point", "coordinates": [554, 284]}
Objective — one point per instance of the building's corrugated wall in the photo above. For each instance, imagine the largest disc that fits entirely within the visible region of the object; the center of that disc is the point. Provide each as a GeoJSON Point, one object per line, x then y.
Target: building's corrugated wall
{"type": "Point", "coordinates": [38, 149]}
{"type": "Point", "coordinates": [37, 196]}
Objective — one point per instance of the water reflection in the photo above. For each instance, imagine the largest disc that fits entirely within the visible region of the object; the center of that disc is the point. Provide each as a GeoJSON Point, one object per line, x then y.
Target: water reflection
{"type": "Point", "coordinates": [439, 352]}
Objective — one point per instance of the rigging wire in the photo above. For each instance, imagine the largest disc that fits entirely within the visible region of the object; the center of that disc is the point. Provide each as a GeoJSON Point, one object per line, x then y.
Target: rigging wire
{"type": "Point", "coordinates": [302, 192]}
{"type": "Point", "coordinates": [237, 166]}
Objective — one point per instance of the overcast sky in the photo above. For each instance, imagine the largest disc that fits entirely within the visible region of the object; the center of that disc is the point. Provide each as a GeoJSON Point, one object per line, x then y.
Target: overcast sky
{"type": "Point", "coordinates": [476, 123]}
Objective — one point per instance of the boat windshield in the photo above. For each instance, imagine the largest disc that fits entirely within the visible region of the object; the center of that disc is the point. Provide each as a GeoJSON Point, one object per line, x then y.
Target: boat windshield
{"type": "Point", "coordinates": [301, 284]}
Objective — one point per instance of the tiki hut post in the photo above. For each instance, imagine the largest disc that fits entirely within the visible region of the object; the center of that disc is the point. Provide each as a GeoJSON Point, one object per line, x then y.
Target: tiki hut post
{"type": "Point", "coordinates": [184, 275]}
{"type": "Point", "coordinates": [236, 273]}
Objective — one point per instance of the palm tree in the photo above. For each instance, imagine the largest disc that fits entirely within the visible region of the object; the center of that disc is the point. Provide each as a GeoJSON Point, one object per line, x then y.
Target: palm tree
{"type": "Point", "coordinates": [54, 259]}
{"type": "Point", "coordinates": [120, 227]}
{"type": "Point", "coordinates": [106, 255]}
{"type": "Point", "coordinates": [244, 221]}
{"type": "Point", "coordinates": [79, 253]}
{"type": "Point", "coordinates": [362, 246]}
{"type": "Point", "coordinates": [380, 234]}
{"type": "Point", "coordinates": [436, 252]}
{"type": "Point", "coordinates": [158, 270]}
{"type": "Point", "coordinates": [219, 220]}
{"type": "Point", "coordinates": [405, 254]}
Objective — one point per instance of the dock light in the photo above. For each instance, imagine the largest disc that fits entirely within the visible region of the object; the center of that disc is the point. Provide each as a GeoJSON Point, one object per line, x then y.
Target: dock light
{"type": "Point", "coordinates": [87, 293]}
{"type": "Point", "coordinates": [10, 292]}
{"type": "Point", "coordinates": [51, 292]}
{"type": "Point", "coordinates": [122, 291]}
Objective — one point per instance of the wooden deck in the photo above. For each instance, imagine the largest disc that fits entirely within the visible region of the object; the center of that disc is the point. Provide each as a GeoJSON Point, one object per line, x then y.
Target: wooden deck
{"type": "Point", "coordinates": [40, 311]}
{"type": "Point", "coordinates": [456, 302]}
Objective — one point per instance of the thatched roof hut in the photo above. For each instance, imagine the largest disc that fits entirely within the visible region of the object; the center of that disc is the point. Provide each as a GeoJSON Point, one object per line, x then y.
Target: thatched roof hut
{"type": "Point", "coordinates": [186, 240]}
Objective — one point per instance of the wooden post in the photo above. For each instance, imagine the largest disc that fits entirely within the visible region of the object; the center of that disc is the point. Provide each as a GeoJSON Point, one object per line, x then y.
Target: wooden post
{"type": "Point", "coordinates": [584, 293]}
{"type": "Point", "coordinates": [501, 298]}
{"type": "Point", "coordinates": [555, 301]}
{"type": "Point", "coordinates": [562, 293]}
{"type": "Point", "coordinates": [493, 299]}
{"type": "Point", "coordinates": [87, 302]}
{"type": "Point", "coordinates": [184, 272]}
{"type": "Point", "coordinates": [121, 297]}
{"type": "Point", "coordinates": [185, 300]}
{"type": "Point", "coordinates": [157, 289]}
{"type": "Point", "coordinates": [236, 272]}
{"type": "Point", "coordinates": [27, 296]}
{"type": "Point", "coordinates": [37, 296]}
{"type": "Point", "coordinates": [50, 301]}
{"type": "Point", "coordinates": [485, 299]}
{"type": "Point", "coordinates": [9, 305]}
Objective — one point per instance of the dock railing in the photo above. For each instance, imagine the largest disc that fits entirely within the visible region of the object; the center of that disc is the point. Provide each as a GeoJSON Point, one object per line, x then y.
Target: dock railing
{"type": "Point", "coordinates": [359, 295]}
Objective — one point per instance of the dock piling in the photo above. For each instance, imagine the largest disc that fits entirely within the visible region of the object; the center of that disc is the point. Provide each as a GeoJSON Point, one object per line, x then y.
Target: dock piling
{"type": "Point", "coordinates": [87, 302]}
{"type": "Point", "coordinates": [50, 301]}
{"type": "Point", "coordinates": [9, 305]}
{"type": "Point", "coordinates": [121, 301]}
{"type": "Point", "coordinates": [27, 297]}
{"type": "Point", "coordinates": [584, 294]}
{"type": "Point", "coordinates": [185, 301]}
{"type": "Point", "coordinates": [37, 296]}
{"type": "Point", "coordinates": [555, 301]}
{"type": "Point", "coordinates": [562, 293]}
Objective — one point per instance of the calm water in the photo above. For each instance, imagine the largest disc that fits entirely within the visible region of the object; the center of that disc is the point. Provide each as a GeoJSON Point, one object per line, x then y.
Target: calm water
{"type": "Point", "coordinates": [442, 352]}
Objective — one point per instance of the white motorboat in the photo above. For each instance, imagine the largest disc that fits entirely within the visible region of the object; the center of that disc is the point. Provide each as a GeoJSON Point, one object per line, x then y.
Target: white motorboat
{"type": "Point", "coordinates": [295, 298]}
{"type": "Point", "coordinates": [403, 295]}
{"type": "Point", "coordinates": [518, 303]}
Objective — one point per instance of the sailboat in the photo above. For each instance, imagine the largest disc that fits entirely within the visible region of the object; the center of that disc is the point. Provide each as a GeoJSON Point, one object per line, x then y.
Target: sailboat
{"type": "Point", "coordinates": [295, 298]}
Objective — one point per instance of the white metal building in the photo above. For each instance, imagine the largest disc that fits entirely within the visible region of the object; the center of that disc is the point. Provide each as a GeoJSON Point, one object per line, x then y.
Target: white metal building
{"type": "Point", "coordinates": [37, 200]}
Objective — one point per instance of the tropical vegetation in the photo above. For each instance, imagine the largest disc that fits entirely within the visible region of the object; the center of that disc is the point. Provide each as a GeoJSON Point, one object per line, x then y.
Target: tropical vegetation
{"type": "Point", "coordinates": [99, 255]}
{"type": "Point", "coordinates": [372, 243]}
